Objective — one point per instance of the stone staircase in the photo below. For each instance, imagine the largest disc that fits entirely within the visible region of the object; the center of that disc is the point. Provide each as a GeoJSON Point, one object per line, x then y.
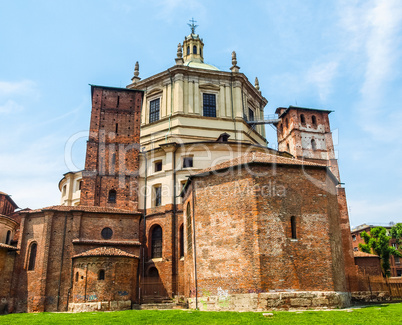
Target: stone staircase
{"type": "Point", "coordinates": [155, 303]}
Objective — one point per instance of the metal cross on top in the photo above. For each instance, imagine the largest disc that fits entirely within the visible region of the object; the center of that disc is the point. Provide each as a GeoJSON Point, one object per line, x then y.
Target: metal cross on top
{"type": "Point", "coordinates": [192, 25]}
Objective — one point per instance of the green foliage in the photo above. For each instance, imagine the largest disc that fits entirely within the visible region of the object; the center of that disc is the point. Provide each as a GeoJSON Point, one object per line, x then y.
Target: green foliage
{"type": "Point", "coordinates": [375, 314]}
{"type": "Point", "coordinates": [396, 232]}
{"type": "Point", "coordinates": [378, 242]}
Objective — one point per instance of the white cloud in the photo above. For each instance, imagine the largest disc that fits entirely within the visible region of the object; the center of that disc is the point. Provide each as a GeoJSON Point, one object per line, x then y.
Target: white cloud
{"type": "Point", "coordinates": [19, 88]}
{"type": "Point", "coordinates": [374, 29]}
{"type": "Point", "coordinates": [321, 76]}
{"type": "Point", "coordinates": [10, 106]}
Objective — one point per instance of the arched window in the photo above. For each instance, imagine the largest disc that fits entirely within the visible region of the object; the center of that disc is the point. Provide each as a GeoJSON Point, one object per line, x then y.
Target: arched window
{"type": "Point", "coordinates": [302, 119]}
{"type": "Point", "coordinates": [181, 241]}
{"type": "Point", "coordinates": [314, 120]}
{"type": "Point", "coordinates": [188, 50]}
{"type": "Point", "coordinates": [76, 277]}
{"type": "Point", "coordinates": [153, 272]}
{"type": "Point", "coordinates": [189, 228]}
{"type": "Point", "coordinates": [194, 49]}
{"type": "Point", "coordinates": [101, 275]}
{"type": "Point", "coordinates": [293, 226]}
{"type": "Point", "coordinates": [156, 251]}
{"type": "Point", "coordinates": [32, 257]}
{"type": "Point", "coordinates": [112, 196]}
{"type": "Point", "coordinates": [313, 145]}
{"type": "Point", "coordinates": [8, 237]}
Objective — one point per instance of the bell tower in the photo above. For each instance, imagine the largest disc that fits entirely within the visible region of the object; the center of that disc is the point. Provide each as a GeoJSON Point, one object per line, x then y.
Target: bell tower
{"type": "Point", "coordinates": [193, 46]}
{"type": "Point", "coordinates": [110, 178]}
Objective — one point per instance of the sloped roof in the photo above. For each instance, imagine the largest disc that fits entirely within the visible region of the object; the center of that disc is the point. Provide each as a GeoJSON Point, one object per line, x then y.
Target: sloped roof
{"type": "Point", "coordinates": [105, 251]}
{"type": "Point", "coordinates": [84, 209]}
{"type": "Point", "coordinates": [8, 247]}
{"type": "Point", "coordinates": [363, 254]}
{"type": "Point", "coordinates": [258, 157]}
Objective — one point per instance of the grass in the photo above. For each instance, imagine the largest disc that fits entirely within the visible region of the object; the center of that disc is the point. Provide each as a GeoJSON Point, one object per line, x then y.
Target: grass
{"type": "Point", "coordinates": [375, 314]}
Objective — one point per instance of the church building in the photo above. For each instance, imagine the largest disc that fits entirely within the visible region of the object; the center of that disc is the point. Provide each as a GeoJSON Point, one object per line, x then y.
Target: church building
{"type": "Point", "coordinates": [183, 200]}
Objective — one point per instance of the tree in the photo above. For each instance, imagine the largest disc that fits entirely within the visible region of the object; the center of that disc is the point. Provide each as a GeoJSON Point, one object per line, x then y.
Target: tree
{"type": "Point", "coordinates": [378, 242]}
{"type": "Point", "coordinates": [396, 232]}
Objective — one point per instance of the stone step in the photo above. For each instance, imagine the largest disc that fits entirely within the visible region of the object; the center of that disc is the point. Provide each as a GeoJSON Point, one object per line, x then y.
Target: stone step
{"type": "Point", "coordinates": [160, 306]}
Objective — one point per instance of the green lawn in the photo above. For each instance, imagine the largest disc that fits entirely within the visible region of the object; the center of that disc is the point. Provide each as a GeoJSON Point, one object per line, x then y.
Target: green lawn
{"type": "Point", "coordinates": [376, 314]}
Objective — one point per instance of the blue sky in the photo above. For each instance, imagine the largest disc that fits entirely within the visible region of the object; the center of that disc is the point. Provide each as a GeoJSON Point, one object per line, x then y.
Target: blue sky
{"type": "Point", "coordinates": [338, 55]}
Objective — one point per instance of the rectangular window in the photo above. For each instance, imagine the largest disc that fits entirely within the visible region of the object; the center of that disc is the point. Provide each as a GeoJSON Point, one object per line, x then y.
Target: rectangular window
{"type": "Point", "coordinates": [154, 106]}
{"type": "Point", "coordinates": [158, 166]}
{"type": "Point", "coordinates": [209, 105]}
{"type": "Point", "coordinates": [398, 272]}
{"type": "Point", "coordinates": [187, 162]}
{"type": "Point", "coordinates": [250, 114]}
{"type": "Point", "coordinates": [397, 261]}
{"type": "Point", "coordinates": [158, 195]}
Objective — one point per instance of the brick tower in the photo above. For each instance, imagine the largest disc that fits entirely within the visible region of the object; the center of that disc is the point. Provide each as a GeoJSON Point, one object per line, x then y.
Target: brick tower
{"type": "Point", "coordinates": [110, 178]}
{"type": "Point", "coordinates": [306, 134]}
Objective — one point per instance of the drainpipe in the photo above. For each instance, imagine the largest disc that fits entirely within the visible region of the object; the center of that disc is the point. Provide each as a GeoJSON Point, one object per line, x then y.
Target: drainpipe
{"type": "Point", "coordinates": [195, 251]}
{"type": "Point", "coordinates": [61, 262]}
{"type": "Point", "coordinates": [144, 217]}
{"type": "Point", "coordinates": [174, 270]}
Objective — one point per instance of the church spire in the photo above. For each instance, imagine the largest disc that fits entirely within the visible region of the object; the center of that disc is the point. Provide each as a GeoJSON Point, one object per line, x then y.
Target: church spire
{"type": "Point", "coordinates": [192, 25]}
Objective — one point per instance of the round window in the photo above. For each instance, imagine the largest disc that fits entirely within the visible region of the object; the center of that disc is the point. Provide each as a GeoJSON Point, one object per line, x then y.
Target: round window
{"type": "Point", "coordinates": [107, 233]}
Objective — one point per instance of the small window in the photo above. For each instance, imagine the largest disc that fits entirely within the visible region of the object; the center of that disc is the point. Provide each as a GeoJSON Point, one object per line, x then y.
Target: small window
{"type": "Point", "coordinates": [76, 276]}
{"type": "Point", "coordinates": [181, 233]}
{"type": "Point", "coordinates": [112, 196]}
{"type": "Point", "coordinates": [250, 114]}
{"type": "Point", "coordinates": [101, 275]}
{"type": "Point", "coordinates": [80, 185]}
{"type": "Point", "coordinates": [64, 189]}
{"type": "Point", "coordinates": [355, 249]}
{"type": "Point", "coordinates": [188, 50]}
{"type": "Point", "coordinates": [154, 107]}
{"type": "Point", "coordinates": [302, 119]}
{"type": "Point", "coordinates": [313, 145]}
{"type": "Point", "coordinates": [187, 162]}
{"type": "Point", "coordinates": [293, 226]}
{"type": "Point", "coordinates": [106, 233]}
{"type": "Point", "coordinates": [8, 237]}
{"type": "Point", "coordinates": [32, 257]}
{"type": "Point", "coordinates": [209, 105]}
{"type": "Point", "coordinates": [158, 165]}
{"type": "Point", "coordinates": [398, 272]}
{"type": "Point", "coordinates": [194, 49]}
{"type": "Point", "coordinates": [397, 261]}
{"type": "Point", "coordinates": [314, 120]}
{"type": "Point", "coordinates": [156, 251]}
{"type": "Point", "coordinates": [354, 238]}
{"type": "Point", "coordinates": [158, 195]}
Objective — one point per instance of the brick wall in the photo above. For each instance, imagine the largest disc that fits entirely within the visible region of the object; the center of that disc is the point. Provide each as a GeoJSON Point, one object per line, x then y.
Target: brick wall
{"type": "Point", "coordinates": [243, 232]}
{"type": "Point", "coordinates": [59, 236]}
{"type": "Point", "coordinates": [112, 158]}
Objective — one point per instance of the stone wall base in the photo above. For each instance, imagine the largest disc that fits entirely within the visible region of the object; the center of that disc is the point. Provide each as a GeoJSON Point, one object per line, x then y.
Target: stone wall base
{"type": "Point", "coordinates": [99, 306]}
{"type": "Point", "coordinates": [368, 296]}
{"type": "Point", "coordinates": [273, 301]}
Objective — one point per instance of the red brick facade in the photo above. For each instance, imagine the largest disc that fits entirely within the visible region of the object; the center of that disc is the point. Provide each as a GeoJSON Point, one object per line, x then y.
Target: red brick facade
{"type": "Point", "coordinates": [243, 238]}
